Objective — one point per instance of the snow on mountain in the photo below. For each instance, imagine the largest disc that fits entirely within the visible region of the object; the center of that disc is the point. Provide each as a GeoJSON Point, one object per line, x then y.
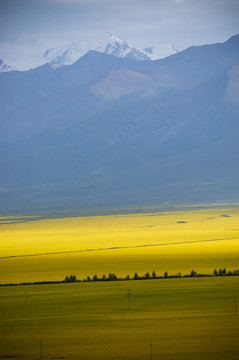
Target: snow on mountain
{"type": "Point", "coordinates": [5, 67]}
{"type": "Point", "coordinates": [160, 51]}
{"type": "Point", "coordinates": [71, 52]}
{"type": "Point", "coordinates": [110, 45]}
{"type": "Point", "coordinates": [119, 48]}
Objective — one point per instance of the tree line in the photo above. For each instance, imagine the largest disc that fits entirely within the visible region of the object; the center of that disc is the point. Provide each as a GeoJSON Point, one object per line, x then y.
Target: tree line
{"type": "Point", "coordinates": [136, 276]}
{"type": "Point", "coordinates": [153, 275]}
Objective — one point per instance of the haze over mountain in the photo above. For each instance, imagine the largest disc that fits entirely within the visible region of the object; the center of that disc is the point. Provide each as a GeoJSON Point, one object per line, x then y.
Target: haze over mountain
{"type": "Point", "coordinates": [104, 42]}
{"type": "Point", "coordinates": [110, 131]}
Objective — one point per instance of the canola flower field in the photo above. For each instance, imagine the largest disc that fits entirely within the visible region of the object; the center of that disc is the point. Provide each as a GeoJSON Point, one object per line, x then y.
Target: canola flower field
{"type": "Point", "coordinates": [35, 249]}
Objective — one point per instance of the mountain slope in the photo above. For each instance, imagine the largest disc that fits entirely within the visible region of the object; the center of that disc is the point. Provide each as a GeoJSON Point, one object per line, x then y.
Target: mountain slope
{"type": "Point", "coordinates": [108, 131]}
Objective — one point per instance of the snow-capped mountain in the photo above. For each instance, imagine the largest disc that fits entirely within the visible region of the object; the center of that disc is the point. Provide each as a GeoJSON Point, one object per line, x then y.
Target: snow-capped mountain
{"type": "Point", "coordinates": [121, 48]}
{"type": "Point", "coordinates": [110, 45]}
{"type": "Point", "coordinates": [71, 52]}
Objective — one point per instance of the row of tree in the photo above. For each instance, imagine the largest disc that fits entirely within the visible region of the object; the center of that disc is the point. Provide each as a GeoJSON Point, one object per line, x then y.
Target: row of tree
{"type": "Point", "coordinates": [223, 272]}
{"type": "Point", "coordinates": [113, 277]}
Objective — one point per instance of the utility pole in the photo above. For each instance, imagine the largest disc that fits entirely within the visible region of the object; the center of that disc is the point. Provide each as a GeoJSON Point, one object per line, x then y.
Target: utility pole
{"type": "Point", "coordinates": [40, 349]}
{"type": "Point", "coordinates": [129, 294]}
{"type": "Point", "coordinates": [151, 352]}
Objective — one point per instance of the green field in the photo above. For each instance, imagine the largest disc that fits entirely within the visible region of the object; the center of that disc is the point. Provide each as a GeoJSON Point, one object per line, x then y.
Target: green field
{"type": "Point", "coordinates": [187, 318]}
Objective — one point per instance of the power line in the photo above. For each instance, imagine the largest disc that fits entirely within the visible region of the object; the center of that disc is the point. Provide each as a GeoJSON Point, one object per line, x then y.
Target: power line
{"type": "Point", "coordinates": [151, 352]}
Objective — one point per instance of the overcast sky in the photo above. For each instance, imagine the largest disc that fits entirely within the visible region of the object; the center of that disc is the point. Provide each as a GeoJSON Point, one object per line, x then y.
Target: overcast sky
{"type": "Point", "coordinates": [31, 25]}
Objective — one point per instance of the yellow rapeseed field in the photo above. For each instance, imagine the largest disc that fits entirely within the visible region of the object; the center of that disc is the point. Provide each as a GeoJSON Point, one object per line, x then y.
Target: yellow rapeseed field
{"type": "Point", "coordinates": [176, 241]}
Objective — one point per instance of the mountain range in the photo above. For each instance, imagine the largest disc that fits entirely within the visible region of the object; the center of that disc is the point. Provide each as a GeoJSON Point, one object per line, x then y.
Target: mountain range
{"type": "Point", "coordinates": [109, 131]}
{"type": "Point", "coordinates": [73, 51]}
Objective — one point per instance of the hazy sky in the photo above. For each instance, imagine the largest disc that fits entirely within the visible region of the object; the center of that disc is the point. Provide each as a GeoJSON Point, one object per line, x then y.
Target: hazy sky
{"type": "Point", "coordinates": [31, 25]}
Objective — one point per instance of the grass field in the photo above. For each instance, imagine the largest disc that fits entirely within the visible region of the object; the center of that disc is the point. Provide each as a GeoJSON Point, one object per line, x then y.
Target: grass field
{"type": "Point", "coordinates": [183, 319]}
{"type": "Point", "coordinates": [124, 244]}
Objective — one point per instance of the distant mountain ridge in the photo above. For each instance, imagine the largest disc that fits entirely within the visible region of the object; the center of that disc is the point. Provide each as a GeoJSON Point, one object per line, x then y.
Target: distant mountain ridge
{"type": "Point", "coordinates": [106, 43]}
{"type": "Point", "coordinates": [109, 131]}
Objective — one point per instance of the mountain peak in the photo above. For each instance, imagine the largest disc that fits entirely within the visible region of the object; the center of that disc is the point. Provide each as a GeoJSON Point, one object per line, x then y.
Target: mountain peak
{"type": "Point", "coordinates": [114, 38]}
{"type": "Point", "coordinates": [104, 42]}
{"type": "Point", "coordinates": [108, 44]}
